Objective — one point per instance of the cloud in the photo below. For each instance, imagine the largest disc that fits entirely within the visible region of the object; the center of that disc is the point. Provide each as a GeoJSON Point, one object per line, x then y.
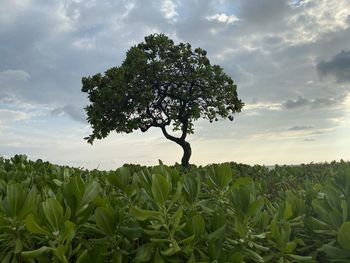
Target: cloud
{"type": "Point", "coordinates": [317, 103]}
{"type": "Point", "coordinates": [7, 116]}
{"type": "Point", "coordinates": [270, 48]}
{"type": "Point", "coordinates": [263, 14]}
{"type": "Point", "coordinates": [72, 111]}
{"type": "Point", "coordinates": [300, 128]}
{"type": "Point", "coordinates": [309, 140]}
{"type": "Point", "coordinates": [223, 18]}
{"type": "Point", "coordinates": [338, 66]}
{"type": "Point", "coordinates": [11, 75]}
{"type": "Point", "coordinates": [168, 9]}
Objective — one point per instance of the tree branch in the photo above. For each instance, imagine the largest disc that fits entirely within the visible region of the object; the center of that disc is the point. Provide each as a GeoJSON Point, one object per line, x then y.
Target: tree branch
{"type": "Point", "coordinates": [170, 137]}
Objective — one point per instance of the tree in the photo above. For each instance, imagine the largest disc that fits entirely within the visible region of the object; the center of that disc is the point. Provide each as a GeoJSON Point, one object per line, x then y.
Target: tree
{"type": "Point", "coordinates": [159, 84]}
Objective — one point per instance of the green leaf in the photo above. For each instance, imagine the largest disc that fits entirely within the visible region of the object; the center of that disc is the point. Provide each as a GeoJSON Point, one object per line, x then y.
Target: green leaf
{"type": "Point", "coordinates": [301, 258]}
{"type": "Point", "coordinates": [290, 247]}
{"type": "Point", "coordinates": [254, 256]}
{"type": "Point", "coordinates": [219, 233]}
{"type": "Point", "coordinates": [105, 219]}
{"type": "Point", "coordinates": [177, 217]}
{"type": "Point", "coordinates": [334, 252]}
{"type": "Point", "coordinates": [345, 209]}
{"type": "Point", "coordinates": [220, 176]}
{"type": "Point", "coordinates": [192, 188]}
{"type": "Point", "coordinates": [53, 212]}
{"type": "Point", "coordinates": [288, 210]}
{"type": "Point", "coordinates": [198, 225]}
{"type": "Point", "coordinates": [160, 188]}
{"type": "Point", "coordinates": [169, 252]}
{"type": "Point", "coordinates": [29, 204]}
{"type": "Point", "coordinates": [144, 253]}
{"type": "Point", "coordinates": [82, 256]}
{"type": "Point", "coordinates": [343, 236]}
{"type": "Point", "coordinates": [18, 246]}
{"type": "Point", "coordinates": [37, 252]}
{"type": "Point", "coordinates": [142, 214]}
{"type": "Point", "coordinates": [90, 193]}
{"type": "Point", "coordinates": [332, 197]}
{"type": "Point", "coordinates": [224, 174]}
{"type": "Point", "coordinates": [121, 178]}
{"type": "Point", "coordinates": [158, 258]}
{"type": "Point", "coordinates": [68, 232]}
{"type": "Point", "coordinates": [33, 227]}
{"type": "Point", "coordinates": [255, 207]}
{"type": "Point", "coordinates": [15, 196]}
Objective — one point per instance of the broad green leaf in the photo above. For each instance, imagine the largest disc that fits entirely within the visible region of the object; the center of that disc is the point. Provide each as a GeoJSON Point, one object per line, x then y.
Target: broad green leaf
{"type": "Point", "coordinates": [177, 217]}
{"type": "Point", "coordinates": [192, 188]}
{"type": "Point", "coordinates": [15, 196]}
{"type": "Point", "coordinates": [219, 233]}
{"type": "Point", "coordinates": [105, 219]}
{"type": "Point", "coordinates": [288, 210]}
{"type": "Point", "coordinates": [191, 259]}
{"type": "Point", "coordinates": [254, 256]}
{"type": "Point", "coordinates": [82, 256]}
{"type": "Point", "coordinates": [33, 226]}
{"type": "Point", "coordinates": [198, 225]}
{"type": "Point", "coordinates": [255, 207]}
{"type": "Point", "coordinates": [160, 188]}
{"type": "Point", "coordinates": [37, 252]}
{"type": "Point", "coordinates": [144, 253]}
{"type": "Point", "coordinates": [29, 204]}
{"type": "Point", "coordinates": [90, 193]}
{"type": "Point", "coordinates": [343, 236]}
{"type": "Point", "coordinates": [224, 174]}
{"type": "Point", "coordinates": [301, 258]}
{"type": "Point", "coordinates": [142, 214]}
{"type": "Point", "coordinates": [121, 178]}
{"type": "Point", "coordinates": [290, 247]}
{"type": "Point", "coordinates": [345, 209]}
{"type": "Point", "coordinates": [158, 258]}
{"type": "Point", "coordinates": [334, 252]}
{"type": "Point", "coordinates": [237, 257]}
{"type": "Point", "coordinates": [68, 232]}
{"type": "Point", "coordinates": [169, 252]}
{"type": "Point", "coordinates": [332, 197]}
{"type": "Point", "coordinates": [18, 246]}
{"type": "Point", "coordinates": [53, 212]}
{"type": "Point", "coordinates": [131, 232]}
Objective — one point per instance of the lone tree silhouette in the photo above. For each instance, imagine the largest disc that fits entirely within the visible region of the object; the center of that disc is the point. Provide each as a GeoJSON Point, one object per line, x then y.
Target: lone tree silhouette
{"type": "Point", "coordinates": [160, 84]}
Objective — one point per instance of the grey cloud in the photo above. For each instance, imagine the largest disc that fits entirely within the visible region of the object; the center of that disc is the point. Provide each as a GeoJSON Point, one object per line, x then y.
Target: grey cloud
{"type": "Point", "coordinates": [338, 66]}
{"type": "Point", "coordinates": [264, 14]}
{"type": "Point", "coordinates": [309, 140]}
{"type": "Point", "coordinates": [300, 128]}
{"type": "Point", "coordinates": [10, 75]}
{"type": "Point", "coordinates": [317, 103]}
{"type": "Point", "coordinates": [74, 112]}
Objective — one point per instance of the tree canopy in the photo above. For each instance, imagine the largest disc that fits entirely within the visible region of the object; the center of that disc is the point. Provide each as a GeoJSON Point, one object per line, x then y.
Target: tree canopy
{"type": "Point", "coordinates": [160, 84]}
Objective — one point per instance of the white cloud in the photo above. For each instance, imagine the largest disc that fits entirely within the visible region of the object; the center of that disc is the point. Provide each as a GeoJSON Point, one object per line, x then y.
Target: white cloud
{"type": "Point", "coordinates": [85, 44]}
{"type": "Point", "coordinates": [223, 18]}
{"type": "Point", "coordinates": [168, 9]}
{"type": "Point", "coordinates": [263, 106]}
{"type": "Point", "coordinates": [7, 116]}
{"type": "Point", "coordinates": [317, 17]}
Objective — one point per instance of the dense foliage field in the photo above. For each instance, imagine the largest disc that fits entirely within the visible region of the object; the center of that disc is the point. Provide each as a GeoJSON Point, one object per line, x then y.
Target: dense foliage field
{"type": "Point", "coordinates": [218, 213]}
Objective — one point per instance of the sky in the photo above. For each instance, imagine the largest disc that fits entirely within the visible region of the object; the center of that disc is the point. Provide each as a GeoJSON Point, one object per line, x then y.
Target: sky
{"type": "Point", "coordinates": [289, 58]}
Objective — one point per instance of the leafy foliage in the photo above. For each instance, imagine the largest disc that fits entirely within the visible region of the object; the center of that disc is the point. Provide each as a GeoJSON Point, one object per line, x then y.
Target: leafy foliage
{"type": "Point", "coordinates": [218, 213]}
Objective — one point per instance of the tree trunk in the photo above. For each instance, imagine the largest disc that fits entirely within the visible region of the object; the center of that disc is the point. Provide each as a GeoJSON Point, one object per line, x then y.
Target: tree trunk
{"type": "Point", "coordinates": [186, 155]}
{"type": "Point", "coordinates": [182, 142]}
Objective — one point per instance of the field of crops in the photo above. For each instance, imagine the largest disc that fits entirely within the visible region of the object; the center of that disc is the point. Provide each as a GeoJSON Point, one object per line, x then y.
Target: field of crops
{"type": "Point", "coordinates": [218, 213]}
